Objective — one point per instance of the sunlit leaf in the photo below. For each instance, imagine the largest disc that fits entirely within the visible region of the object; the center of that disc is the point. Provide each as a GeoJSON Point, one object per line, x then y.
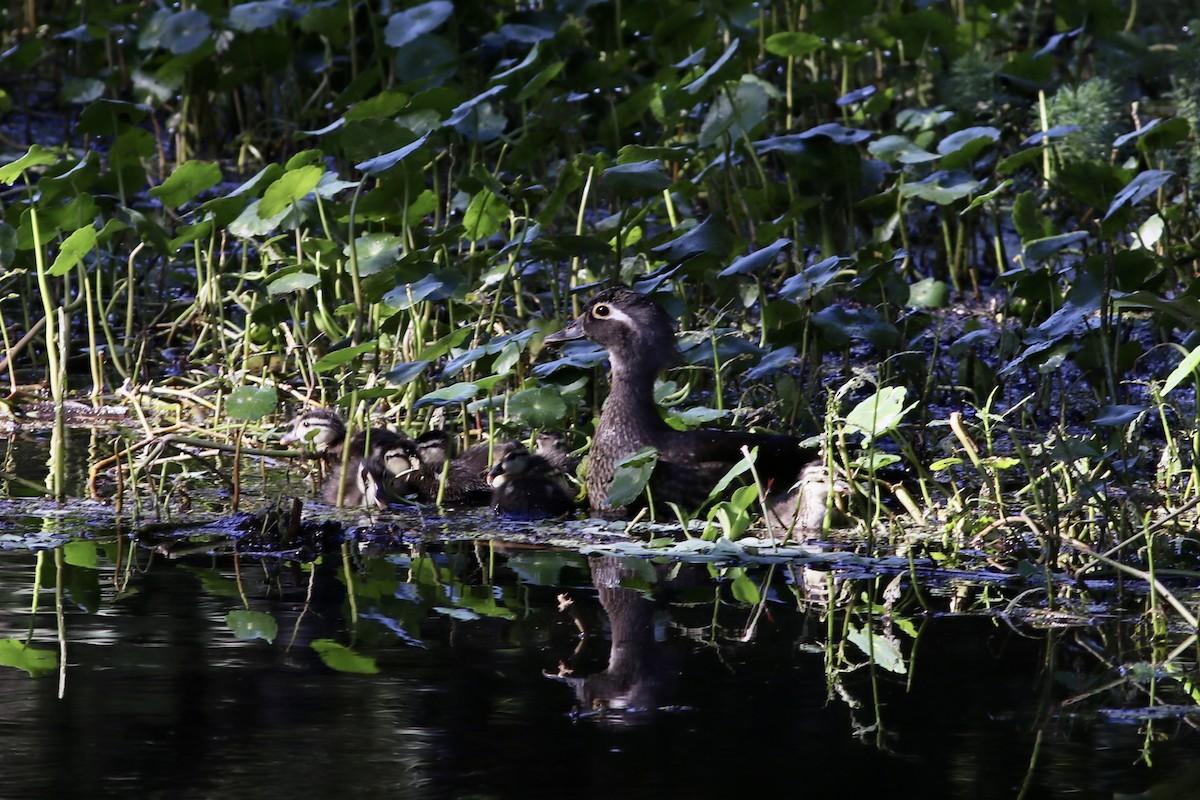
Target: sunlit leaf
{"type": "Point", "coordinates": [879, 413]}
{"type": "Point", "coordinates": [538, 408]}
{"type": "Point", "coordinates": [250, 403]}
{"type": "Point", "coordinates": [631, 476]}
{"type": "Point", "coordinates": [249, 625]}
{"type": "Point", "coordinates": [36, 661]}
{"type": "Point", "coordinates": [187, 181]}
{"type": "Point", "coordinates": [73, 250]}
{"type": "Point", "coordinates": [37, 156]}
{"type": "Point", "coordinates": [291, 187]}
{"type": "Point", "coordinates": [882, 651]}
{"type": "Point", "coordinates": [793, 43]}
{"type": "Point", "coordinates": [1186, 369]}
{"type": "Point", "coordinates": [81, 554]}
{"type": "Point", "coordinates": [343, 659]}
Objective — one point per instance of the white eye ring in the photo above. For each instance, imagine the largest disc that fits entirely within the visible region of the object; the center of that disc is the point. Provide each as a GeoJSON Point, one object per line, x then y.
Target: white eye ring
{"type": "Point", "coordinates": [601, 311]}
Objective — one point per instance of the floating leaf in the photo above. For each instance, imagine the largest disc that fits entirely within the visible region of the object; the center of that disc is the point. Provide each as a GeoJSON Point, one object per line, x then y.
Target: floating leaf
{"type": "Point", "coordinates": [343, 659]}
{"type": "Point", "coordinates": [36, 661]}
{"type": "Point", "coordinates": [249, 625]}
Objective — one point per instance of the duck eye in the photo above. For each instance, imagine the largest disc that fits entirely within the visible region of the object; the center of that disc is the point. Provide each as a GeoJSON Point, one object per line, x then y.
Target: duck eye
{"type": "Point", "coordinates": [601, 311]}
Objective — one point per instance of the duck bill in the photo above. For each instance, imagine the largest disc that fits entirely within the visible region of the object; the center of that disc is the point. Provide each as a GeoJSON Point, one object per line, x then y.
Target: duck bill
{"type": "Point", "coordinates": [569, 333]}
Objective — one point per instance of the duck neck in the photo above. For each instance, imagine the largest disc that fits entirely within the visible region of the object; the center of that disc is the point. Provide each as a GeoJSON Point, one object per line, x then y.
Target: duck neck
{"type": "Point", "coordinates": [631, 397]}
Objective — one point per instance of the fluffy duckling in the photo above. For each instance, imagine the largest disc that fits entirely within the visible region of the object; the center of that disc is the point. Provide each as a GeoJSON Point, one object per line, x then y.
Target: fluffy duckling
{"type": "Point", "coordinates": [389, 474]}
{"type": "Point", "coordinates": [553, 446]}
{"type": "Point", "coordinates": [801, 511]}
{"type": "Point", "coordinates": [528, 485]}
{"type": "Point", "coordinates": [466, 475]}
{"type": "Point", "coordinates": [325, 431]}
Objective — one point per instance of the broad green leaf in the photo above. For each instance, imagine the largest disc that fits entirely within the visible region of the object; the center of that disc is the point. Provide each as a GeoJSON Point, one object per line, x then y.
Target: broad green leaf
{"type": "Point", "coordinates": [757, 261]}
{"type": "Point", "coordinates": [710, 236]}
{"type": "Point", "coordinates": [249, 403]}
{"type": "Point", "coordinates": [1187, 367]}
{"type": "Point", "coordinates": [485, 215]}
{"type": "Point", "coordinates": [1039, 250]}
{"type": "Point", "coordinates": [793, 44]}
{"type": "Point", "coordinates": [900, 149]}
{"type": "Point", "coordinates": [292, 282]}
{"type": "Point", "coordinates": [343, 659]}
{"type": "Point", "coordinates": [450, 395]}
{"type": "Point", "coordinates": [73, 250]}
{"type": "Point", "coordinates": [411, 24]}
{"type": "Point", "coordinates": [538, 408]}
{"type": "Point", "coordinates": [736, 112]}
{"type": "Point", "coordinates": [343, 355]}
{"type": "Point", "coordinates": [37, 661]}
{"type": "Point", "coordinates": [631, 476]}
{"type": "Point", "coordinates": [1118, 415]}
{"type": "Point", "coordinates": [187, 181]}
{"type": "Point", "coordinates": [81, 554]}
{"type": "Point", "coordinates": [744, 588]}
{"type": "Point", "coordinates": [37, 156]}
{"type": "Point", "coordinates": [248, 625]}
{"type": "Point", "coordinates": [942, 187]}
{"type": "Point", "coordinates": [291, 187]}
{"type": "Point", "coordinates": [636, 179]}
{"type": "Point", "coordinates": [882, 651]}
{"type": "Point", "coordinates": [879, 413]}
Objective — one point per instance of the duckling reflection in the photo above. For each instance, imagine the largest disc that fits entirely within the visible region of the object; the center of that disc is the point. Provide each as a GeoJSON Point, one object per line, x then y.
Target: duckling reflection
{"type": "Point", "coordinates": [642, 673]}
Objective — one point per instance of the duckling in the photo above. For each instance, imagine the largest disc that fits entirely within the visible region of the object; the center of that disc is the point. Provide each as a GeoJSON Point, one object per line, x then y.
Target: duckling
{"type": "Point", "coordinates": [639, 336]}
{"type": "Point", "coordinates": [389, 474]}
{"type": "Point", "coordinates": [326, 432]}
{"type": "Point", "coordinates": [466, 480]}
{"type": "Point", "coordinates": [801, 511]}
{"type": "Point", "coordinates": [552, 446]}
{"type": "Point", "coordinates": [528, 485]}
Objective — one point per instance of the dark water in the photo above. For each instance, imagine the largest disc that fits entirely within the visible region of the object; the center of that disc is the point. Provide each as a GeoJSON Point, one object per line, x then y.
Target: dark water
{"type": "Point", "coordinates": [690, 680]}
{"type": "Point", "coordinates": [162, 700]}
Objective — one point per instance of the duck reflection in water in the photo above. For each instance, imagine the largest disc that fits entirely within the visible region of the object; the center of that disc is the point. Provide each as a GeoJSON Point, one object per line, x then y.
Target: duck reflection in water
{"type": "Point", "coordinates": [642, 673]}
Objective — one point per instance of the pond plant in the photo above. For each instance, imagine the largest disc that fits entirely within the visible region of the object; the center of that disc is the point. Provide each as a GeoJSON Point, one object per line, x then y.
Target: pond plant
{"type": "Point", "coordinates": [955, 244]}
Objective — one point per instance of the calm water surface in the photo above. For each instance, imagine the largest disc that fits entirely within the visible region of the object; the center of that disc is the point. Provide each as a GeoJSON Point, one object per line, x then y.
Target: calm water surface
{"type": "Point", "coordinates": [498, 670]}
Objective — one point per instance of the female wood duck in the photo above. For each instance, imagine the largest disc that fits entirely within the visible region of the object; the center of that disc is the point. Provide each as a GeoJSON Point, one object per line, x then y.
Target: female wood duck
{"type": "Point", "coordinates": [325, 431]}
{"type": "Point", "coordinates": [527, 485]}
{"type": "Point", "coordinates": [639, 337]}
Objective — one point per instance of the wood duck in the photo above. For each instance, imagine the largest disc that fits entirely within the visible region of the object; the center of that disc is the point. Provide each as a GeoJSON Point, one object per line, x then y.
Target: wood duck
{"type": "Point", "coordinates": [389, 474]}
{"type": "Point", "coordinates": [325, 431]}
{"type": "Point", "coordinates": [527, 485]}
{"type": "Point", "coordinates": [640, 339]}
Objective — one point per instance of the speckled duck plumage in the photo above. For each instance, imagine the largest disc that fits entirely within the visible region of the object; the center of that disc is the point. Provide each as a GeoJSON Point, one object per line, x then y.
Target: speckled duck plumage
{"type": "Point", "coordinates": [639, 336]}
